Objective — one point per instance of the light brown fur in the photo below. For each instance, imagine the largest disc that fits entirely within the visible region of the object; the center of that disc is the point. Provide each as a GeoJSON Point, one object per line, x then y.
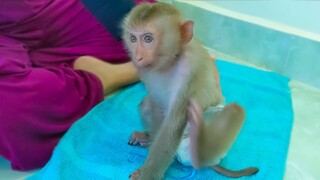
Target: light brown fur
{"type": "Point", "coordinates": [181, 82]}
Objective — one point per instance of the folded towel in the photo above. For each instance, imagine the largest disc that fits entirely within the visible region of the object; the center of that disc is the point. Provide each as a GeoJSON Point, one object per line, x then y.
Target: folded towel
{"type": "Point", "coordinates": [96, 146]}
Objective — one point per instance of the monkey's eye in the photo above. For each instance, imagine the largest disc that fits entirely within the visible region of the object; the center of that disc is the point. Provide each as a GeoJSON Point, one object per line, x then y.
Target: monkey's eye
{"type": "Point", "coordinates": [148, 38]}
{"type": "Point", "coordinates": [133, 38]}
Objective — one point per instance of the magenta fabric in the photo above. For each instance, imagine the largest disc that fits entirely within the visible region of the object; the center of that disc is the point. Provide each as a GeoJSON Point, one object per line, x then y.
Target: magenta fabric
{"type": "Point", "coordinates": [141, 1]}
{"type": "Point", "coordinates": [40, 94]}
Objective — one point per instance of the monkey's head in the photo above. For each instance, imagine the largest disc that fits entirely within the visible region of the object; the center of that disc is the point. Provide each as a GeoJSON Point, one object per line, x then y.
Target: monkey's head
{"type": "Point", "coordinates": [154, 34]}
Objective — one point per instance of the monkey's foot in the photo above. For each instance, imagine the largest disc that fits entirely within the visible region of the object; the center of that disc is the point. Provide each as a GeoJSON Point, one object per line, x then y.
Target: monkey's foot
{"type": "Point", "coordinates": [135, 175]}
{"type": "Point", "coordinates": [195, 120]}
{"type": "Point", "coordinates": [139, 138]}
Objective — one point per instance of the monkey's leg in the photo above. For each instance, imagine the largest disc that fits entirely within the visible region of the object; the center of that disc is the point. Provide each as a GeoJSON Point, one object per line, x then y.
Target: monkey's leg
{"type": "Point", "coordinates": [221, 131]}
{"type": "Point", "coordinates": [209, 142]}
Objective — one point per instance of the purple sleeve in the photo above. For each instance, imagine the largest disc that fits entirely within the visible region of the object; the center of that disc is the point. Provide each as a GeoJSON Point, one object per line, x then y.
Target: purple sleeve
{"type": "Point", "coordinates": [38, 105]}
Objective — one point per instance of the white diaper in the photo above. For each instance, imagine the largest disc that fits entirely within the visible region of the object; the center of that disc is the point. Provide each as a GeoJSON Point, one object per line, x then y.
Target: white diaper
{"type": "Point", "coordinates": [184, 152]}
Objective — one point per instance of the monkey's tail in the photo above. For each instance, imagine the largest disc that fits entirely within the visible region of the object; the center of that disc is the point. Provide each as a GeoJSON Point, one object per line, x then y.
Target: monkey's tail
{"type": "Point", "coordinates": [235, 174]}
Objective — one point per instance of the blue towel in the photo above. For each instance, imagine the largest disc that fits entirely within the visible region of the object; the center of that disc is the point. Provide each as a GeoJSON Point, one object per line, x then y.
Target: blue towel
{"type": "Point", "coordinates": [96, 146]}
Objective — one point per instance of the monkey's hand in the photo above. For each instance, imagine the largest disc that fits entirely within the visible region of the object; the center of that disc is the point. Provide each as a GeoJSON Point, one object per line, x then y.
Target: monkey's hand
{"type": "Point", "coordinates": [139, 138]}
{"type": "Point", "coordinates": [143, 173]}
{"type": "Point", "coordinates": [196, 128]}
{"type": "Point", "coordinates": [135, 175]}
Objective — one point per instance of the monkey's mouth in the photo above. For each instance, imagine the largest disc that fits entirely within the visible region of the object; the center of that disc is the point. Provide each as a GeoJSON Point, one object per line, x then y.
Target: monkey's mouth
{"type": "Point", "coordinates": [147, 66]}
{"type": "Point", "coordinates": [142, 64]}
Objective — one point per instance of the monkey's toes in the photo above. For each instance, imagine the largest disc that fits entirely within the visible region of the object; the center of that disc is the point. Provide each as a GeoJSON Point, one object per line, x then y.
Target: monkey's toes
{"type": "Point", "coordinates": [139, 138]}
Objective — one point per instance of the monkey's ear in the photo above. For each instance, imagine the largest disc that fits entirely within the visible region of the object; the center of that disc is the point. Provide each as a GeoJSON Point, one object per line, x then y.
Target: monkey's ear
{"type": "Point", "coordinates": [186, 29]}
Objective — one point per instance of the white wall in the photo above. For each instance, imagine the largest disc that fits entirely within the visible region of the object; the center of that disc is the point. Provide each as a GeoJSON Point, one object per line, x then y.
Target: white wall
{"type": "Point", "coordinates": [303, 15]}
{"type": "Point", "coordinates": [275, 35]}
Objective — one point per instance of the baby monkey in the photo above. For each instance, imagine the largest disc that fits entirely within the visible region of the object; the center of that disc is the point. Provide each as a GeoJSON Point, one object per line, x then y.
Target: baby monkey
{"type": "Point", "coordinates": [183, 112]}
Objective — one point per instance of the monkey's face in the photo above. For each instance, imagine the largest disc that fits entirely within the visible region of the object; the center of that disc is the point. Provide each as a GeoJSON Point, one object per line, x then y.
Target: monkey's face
{"type": "Point", "coordinates": [153, 46]}
{"type": "Point", "coordinates": [142, 46]}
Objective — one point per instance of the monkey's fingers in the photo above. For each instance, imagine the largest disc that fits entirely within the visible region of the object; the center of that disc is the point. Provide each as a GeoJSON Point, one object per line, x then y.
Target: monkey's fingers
{"type": "Point", "coordinates": [133, 142]}
{"type": "Point", "coordinates": [195, 120]}
{"type": "Point", "coordinates": [135, 175]}
{"type": "Point", "coordinates": [194, 113]}
{"type": "Point", "coordinates": [141, 138]}
{"type": "Point", "coordinates": [144, 143]}
{"type": "Point", "coordinates": [197, 108]}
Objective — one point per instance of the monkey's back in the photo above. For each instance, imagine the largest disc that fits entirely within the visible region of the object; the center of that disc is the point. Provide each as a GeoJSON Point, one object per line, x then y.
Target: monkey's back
{"type": "Point", "coordinates": [205, 83]}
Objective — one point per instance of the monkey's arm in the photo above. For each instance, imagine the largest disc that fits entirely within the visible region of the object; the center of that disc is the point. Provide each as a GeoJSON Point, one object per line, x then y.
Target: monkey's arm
{"type": "Point", "coordinates": [167, 140]}
{"type": "Point", "coordinates": [165, 144]}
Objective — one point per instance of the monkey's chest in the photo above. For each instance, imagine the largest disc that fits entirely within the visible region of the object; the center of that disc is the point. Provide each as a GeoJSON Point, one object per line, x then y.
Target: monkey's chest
{"type": "Point", "coordinates": [164, 87]}
{"type": "Point", "coordinates": [161, 94]}
{"type": "Point", "coordinates": [163, 91]}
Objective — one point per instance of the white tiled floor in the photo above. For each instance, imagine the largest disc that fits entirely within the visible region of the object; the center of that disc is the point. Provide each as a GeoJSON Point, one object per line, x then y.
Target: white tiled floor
{"type": "Point", "coordinates": [304, 152]}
